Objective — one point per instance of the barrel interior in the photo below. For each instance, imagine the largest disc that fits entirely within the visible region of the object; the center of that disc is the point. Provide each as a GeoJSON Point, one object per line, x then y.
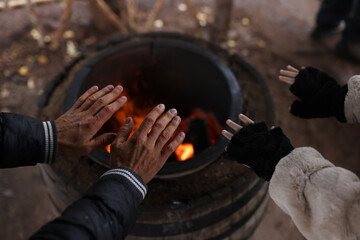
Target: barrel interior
{"type": "Point", "coordinates": [194, 81]}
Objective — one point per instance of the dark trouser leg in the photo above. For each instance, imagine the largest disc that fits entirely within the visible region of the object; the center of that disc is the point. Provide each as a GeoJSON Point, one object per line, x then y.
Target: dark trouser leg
{"type": "Point", "coordinates": [332, 12]}
{"type": "Point", "coordinates": [352, 30]}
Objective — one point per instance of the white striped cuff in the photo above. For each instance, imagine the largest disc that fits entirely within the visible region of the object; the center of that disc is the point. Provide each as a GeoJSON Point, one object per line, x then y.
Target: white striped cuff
{"type": "Point", "coordinates": [50, 142]}
{"type": "Point", "coordinates": [130, 177]}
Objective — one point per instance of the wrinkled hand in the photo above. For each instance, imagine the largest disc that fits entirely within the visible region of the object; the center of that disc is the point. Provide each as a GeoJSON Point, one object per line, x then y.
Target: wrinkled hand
{"type": "Point", "coordinates": [77, 127]}
{"type": "Point", "coordinates": [320, 95]}
{"type": "Point", "coordinates": [255, 146]}
{"type": "Point", "coordinates": [147, 151]}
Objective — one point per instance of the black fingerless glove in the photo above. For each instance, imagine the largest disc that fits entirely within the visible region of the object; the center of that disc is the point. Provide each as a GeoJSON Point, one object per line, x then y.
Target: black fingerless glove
{"type": "Point", "coordinates": [257, 147]}
{"type": "Point", "coordinates": [320, 95]}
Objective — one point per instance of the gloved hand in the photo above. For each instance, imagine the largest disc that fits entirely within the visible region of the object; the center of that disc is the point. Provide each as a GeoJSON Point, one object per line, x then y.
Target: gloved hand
{"type": "Point", "coordinates": [257, 147]}
{"type": "Point", "coordinates": [320, 95]}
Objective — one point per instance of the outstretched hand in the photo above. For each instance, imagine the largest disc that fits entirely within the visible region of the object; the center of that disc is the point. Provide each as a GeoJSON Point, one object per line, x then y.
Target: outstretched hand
{"type": "Point", "coordinates": [150, 146]}
{"type": "Point", "coordinates": [288, 75]}
{"type": "Point", "coordinates": [236, 127]}
{"type": "Point", "coordinates": [256, 147]}
{"type": "Point", "coordinates": [319, 94]}
{"type": "Point", "coordinates": [76, 129]}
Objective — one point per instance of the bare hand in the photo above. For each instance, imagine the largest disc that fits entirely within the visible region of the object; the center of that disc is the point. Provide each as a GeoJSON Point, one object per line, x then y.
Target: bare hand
{"type": "Point", "coordinates": [288, 75]}
{"type": "Point", "coordinates": [77, 127]}
{"type": "Point", "coordinates": [151, 145]}
{"type": "Point", "coordinates": [236, 127]}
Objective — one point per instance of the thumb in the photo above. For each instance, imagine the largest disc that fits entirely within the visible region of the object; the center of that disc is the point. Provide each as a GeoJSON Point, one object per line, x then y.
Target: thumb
{"type": "Point", "coordinates": [125, 130]}
{"type": "Point", "coordinates": [301, 109]}
{"type": "Point", "coordinates": [104, 140]}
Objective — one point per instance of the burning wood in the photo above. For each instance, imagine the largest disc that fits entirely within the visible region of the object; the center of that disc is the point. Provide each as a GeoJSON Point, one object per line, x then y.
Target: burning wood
{"type": "Point", "coordinates": [198, 133]}
{"type": "Point", "coordinates": [185, 151]}
{"type": "Point", "coordinates": [201, 128]}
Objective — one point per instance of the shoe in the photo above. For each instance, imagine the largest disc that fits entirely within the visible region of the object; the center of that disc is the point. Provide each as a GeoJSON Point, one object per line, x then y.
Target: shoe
{"type": "Point", "coordinates": [349, 50]}
{"type": "Point", "coordinates": [319, 33]}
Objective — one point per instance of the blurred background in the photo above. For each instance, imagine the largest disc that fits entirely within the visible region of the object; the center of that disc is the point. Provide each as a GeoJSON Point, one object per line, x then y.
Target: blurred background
{"type": "Point", "coordinates": [39, 37]}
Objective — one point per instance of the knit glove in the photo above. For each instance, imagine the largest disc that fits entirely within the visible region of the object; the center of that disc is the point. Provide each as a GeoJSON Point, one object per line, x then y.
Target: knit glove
{"type": "Point", "coordinates": [320, 95]}
{"type": "Point", "coordinates": [259, 148]}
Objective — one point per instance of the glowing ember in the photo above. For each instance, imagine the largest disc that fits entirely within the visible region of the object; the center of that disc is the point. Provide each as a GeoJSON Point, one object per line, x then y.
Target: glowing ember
{"type": "Point", "coordinates": [185, 151]}
{"type": "Point", "coordinates": [136, 109]}
{"type": "Point", "coordinates": [107, 148]}
{"type": "Point", "coordinates": [129, 109]}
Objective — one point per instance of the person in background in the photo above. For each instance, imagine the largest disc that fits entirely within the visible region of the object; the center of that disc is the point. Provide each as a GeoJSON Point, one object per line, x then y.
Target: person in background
{"type": "Point", "coordinates": [328, 19]}
{"type": "Point", "coordinates": [323, 200]}
{"type": "Point", "coordinates": [108, 209]}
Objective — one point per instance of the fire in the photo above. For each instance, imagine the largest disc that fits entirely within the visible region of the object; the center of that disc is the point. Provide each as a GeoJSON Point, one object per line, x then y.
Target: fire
{"type": "Point", "coordinates": [107, 148]}
{"type": "Point", "coordinates": [185, 151]}
{"type": "Point", "coordinates": [135, 107]}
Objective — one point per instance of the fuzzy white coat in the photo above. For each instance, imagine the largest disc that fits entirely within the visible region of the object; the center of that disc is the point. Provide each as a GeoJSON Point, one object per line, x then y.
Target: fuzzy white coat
{"type": "Point", "coordinates": [323, 200]}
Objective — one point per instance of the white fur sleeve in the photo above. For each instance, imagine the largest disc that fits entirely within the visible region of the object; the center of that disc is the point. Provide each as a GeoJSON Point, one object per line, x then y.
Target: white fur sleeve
{"type": "Point", "coordinates": [322, 200]}
{"type": "Point", "coordinates": [352, 100]}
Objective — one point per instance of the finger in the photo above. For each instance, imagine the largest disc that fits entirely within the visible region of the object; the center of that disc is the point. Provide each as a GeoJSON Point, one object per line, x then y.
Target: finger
{"type": "Point", "coordinates": [160, 126]}
{"type": "Point", "coordinates": [236, 127]}
{"type": "Point", "coordinates": [287, 80]}
{"type": "Point", "coordinates": [291, 68]}
{"type": "Point", "coordinates": [149, 121]}
{"type": "Point", "coordinates": [103, 140]}
{"type": "Point", "coordinates": [168, 132]}
{"type": "Point", "coordinates": [245, 119]}
{"type": "Point", "coordinates": [125, 131]}
{"type": "Point", "coordinates": [85, 95]}
{"type": "Point", "coordinates": [246, 165]}
{"type": "Point", "coordinates": [290, 74]}
{"type": "Point", "coordinates": [106, 99]}
{"type": "Point", "coordinates": [109, 110]}
{"type": "Point", "coordinates": [226, 134]}
{"type": "Point", "coordinates": [169, 149]}
{"type": "Point", "coordinates": [92, 99]}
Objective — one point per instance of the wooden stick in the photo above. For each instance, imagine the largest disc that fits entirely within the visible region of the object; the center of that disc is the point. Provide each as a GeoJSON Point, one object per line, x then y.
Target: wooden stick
{"type": "Point", "coordinates": [34, 17]}
{"type": "Point", "coordinates": [111, 15]}
{"type": "Point", "coordinates": [23, 3]}
{"type": "Point", "coordinates": [122, 9]}
{"type": "Point", "coordinates": [219, 29]}
{"type": "Point", "coordinates": [192, 11]}
{"type": "Point", "coordinates": [65, 18]}
{"type": "Point", "coordinates": [132, 9]}
{"type": "Point", "coordinates": [123, 14]}
{"type": "Point", "coordinates": [152, 15]}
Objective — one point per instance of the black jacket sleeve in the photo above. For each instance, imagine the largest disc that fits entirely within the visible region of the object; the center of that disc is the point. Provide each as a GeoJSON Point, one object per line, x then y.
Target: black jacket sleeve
{"type": "Point", "coordinates": [108, 210]}
{"type": "Point", "coordinates": [25, 141]}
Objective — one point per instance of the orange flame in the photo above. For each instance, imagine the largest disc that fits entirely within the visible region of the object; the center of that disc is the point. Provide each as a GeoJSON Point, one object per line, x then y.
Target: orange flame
{"type": "Point", "coordinates": [138, 112]}
{"type": "Point", "coordinates": [107, 148]}
{"type": "Point", "coordinates": [185, 151]}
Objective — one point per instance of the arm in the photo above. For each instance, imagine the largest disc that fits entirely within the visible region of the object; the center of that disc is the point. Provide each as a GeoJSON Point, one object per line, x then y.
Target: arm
{"type": "Point", "coordinates": [321, 96]}
{"type": "Point", "coordinates": [352, 100]}
{"type": "Point", "coordinates": [108, 210]}
{"type": "Point", "coordinates": [25, 141]}
{"type": "Point", "coordinates": [322, 200]}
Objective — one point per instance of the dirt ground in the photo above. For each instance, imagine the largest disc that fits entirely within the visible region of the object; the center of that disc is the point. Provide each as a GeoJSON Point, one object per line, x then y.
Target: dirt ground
{"type": "Point", "coordinates": [269, 34]}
